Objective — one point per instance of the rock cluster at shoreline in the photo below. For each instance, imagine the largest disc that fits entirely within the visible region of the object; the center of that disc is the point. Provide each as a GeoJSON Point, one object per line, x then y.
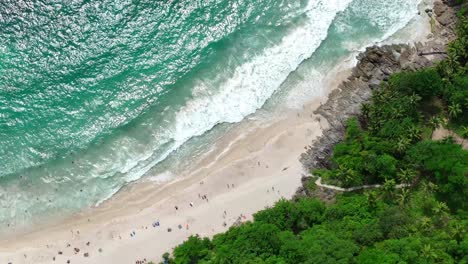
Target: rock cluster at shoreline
{"type": "Point", "coordinates": [374, 66]}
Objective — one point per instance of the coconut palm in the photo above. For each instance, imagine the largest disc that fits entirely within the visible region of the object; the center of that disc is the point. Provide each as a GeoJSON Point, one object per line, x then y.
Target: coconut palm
{"type": "Point", "coordinates": [365, 109]}
{"type": "Point", "coordinates": [346, 175]}
{"type": "Point", "coordinates": [403, 197]}
{"type": "Point", "coordinates": [407, 175]}
{"type": "Point", "coordinates": [403, 144]}
{"type": "Point", "coordinates": [458, 232]}
{"type": "Point", "coordinates": [414, 99]}
{"type": "Point", "coordinates": [454, 110]}
{"type": "Point", "coordinates": [451, 64]}
{"type": "Point", "coordinates": [389, 188]}
{"type": "Point", "coordinates": [441, 210]}
{"type": "Point", "coordinates": [415, 133]}
{"type": "Point", "coordinates": [428, 187]}
{"type": "Point", "coordinates": [371, 197]}
{"type": "Point", "coordinates": [428, 253]}
{"type": "Point", "coordinates": [426, 223]}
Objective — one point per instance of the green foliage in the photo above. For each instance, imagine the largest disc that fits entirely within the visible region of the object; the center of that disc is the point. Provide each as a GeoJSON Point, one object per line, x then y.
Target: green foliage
{"type": "Point", "coordinates": [425, 222]}
{"type": "Point", "coordinates": [425, 83]}
{"type": "Point", "coordinates": [248, 242]}
{"type": "Point", "coordinates": [394, 222]}
{"type": "Point", "coordinates": [319, 245]}
{"type": "Point", "coordinates": [194, 250]}
{"type": "Point", "coordinates": [447, 165]}
{"type": "Point", "coordinates": [296, 216]}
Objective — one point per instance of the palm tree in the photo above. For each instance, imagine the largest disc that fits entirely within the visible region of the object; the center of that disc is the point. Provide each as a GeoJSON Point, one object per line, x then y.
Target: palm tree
{"type": "Point", "coordinates": [440, 208]}
{"type": "Point", "coordinates": [365, 109]}
{"type": "Point", "coordinates": [403, 197]}
{"type": "Point", "coordinates": [440, 211]}
{"type": "Point", "coordinates": [415, 133]}
{"type": "Point", "coordinates": [458, 232]}
{"type": "Point", "coordinates": [428, 187]}
{"type": "Point", "coordinates": [452, 62]}
{"type": "Point", "coordinates": [389, 187]}
{"type": "Point", "coordinates": [371, 197]}
{"type": "Point", "coordinates": [403, 144]}
{"type": "Point", "coordinates": [407, 175]}
{"type": "Point", "coordinates": [426, 223]}
{"type": "Point", "coordinates": [428, 253]}
{"type": "Point", "coordinates": [454, 110]}
{"type": "Point", "coordinates": [414, 99]}
{"type": "Point", "coordinates": [347, 176]}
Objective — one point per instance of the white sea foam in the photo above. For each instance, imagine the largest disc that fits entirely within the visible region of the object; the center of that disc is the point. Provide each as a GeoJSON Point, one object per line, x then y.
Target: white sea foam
{"type": "Point", "coordinates": [399, 14]}
{"type": "Point", "coordinates": [161, 177]}
{"type": "Point", "coordinates": [251, 84]}
{"type": "Point", "coordinates": [256, 80]}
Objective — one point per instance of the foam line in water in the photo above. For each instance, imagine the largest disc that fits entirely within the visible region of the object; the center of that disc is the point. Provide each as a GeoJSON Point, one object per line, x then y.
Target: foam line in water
{"type": "Point", "coordinates": [251, 84]}
{"type": "Point", "coordinates": [256, 80]}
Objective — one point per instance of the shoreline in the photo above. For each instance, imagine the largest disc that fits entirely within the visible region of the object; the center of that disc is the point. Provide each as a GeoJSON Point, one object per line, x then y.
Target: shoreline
{"type": "Point", "coordinates": [254, 162]}
{"type": "Point", "coordinates": [253, 165]}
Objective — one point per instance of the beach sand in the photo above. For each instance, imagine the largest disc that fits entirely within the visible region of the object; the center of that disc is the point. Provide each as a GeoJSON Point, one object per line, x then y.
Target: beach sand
{"type": "Point", "coordinates": [254, 170]}
{"type": "Point", "coordinates": [253, 166]}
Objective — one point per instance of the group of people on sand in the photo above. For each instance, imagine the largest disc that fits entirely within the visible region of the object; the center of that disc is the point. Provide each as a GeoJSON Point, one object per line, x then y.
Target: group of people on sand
{"type": "Point", "coordinates": [157, 223]}
{"type": "Point", "coordinates": [273, 190]}
{"type": "Point", "coordinates": [203, 197]}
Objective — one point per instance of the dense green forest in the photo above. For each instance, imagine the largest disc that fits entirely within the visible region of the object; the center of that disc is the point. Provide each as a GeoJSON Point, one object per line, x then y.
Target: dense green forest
{"type": "Point", "coordinates": [389, 143]}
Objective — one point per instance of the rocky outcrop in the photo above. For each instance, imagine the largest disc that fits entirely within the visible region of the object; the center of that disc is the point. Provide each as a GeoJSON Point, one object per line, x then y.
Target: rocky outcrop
{"type": "Point", "coordinates": [374, 66]}
{"type": "Point", "coordinates": [444, 15]}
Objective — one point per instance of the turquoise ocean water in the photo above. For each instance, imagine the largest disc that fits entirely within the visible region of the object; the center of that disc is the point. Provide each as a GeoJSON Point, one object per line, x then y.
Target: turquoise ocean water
{"type": "Point", "coordinates": [94, 94]}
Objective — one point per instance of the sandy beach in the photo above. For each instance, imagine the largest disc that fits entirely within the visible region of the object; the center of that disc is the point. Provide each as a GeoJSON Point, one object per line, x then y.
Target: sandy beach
{"type": "Point", "coordinates": [253, 171]}
{"type": "Point", "coordinates": [252, 166]}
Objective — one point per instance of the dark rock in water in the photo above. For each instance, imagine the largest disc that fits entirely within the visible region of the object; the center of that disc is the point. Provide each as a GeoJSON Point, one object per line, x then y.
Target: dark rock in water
{"type": "Point", "coordinates": [375, 66]}
{"type": "Point", "coordinates": [86, 255]}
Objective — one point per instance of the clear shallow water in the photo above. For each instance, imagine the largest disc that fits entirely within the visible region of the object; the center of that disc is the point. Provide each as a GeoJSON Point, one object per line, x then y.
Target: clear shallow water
{"type": "Point", "coordinates": [94, 94]}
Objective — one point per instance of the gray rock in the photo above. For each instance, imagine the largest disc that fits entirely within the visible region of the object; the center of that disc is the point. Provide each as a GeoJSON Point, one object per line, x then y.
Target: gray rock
{"type": "Point", "coordinates": [374, 66]}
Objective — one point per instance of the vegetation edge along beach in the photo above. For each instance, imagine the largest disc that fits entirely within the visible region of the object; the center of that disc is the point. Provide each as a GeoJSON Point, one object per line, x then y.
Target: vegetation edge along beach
{"type": "Point", "coordinates": [401, 118]}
